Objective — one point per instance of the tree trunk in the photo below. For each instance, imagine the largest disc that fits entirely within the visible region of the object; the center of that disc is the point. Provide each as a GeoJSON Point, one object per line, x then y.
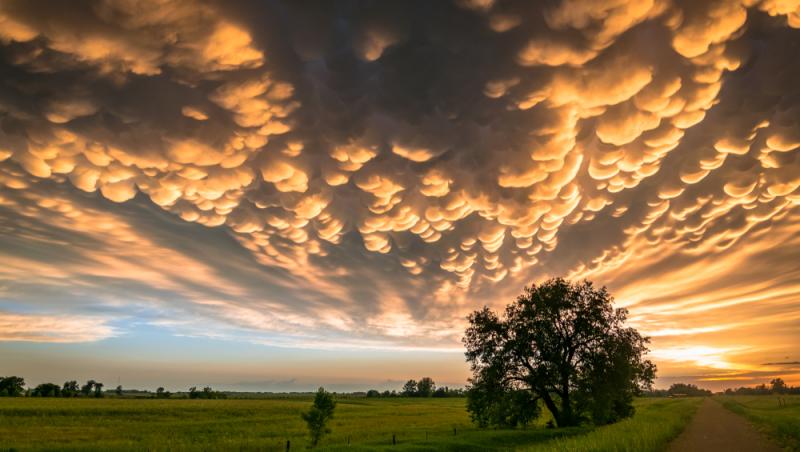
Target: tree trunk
{"type": "Point", "coordinates": [567, 417]}
{"type": "Point", "coordinates": [566, 407]}
{"type": "Point", "coordinates": [548, 402]}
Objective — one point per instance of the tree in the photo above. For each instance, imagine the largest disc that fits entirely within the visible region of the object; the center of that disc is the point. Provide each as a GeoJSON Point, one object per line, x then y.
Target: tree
{"type": "Point", "coordinates": [87, 388]}
{"type": "Point", "coordinates": [98, 389]}
{"type": "Point", "coordinates": [778, 386]}
{"type": "Point", "coordinates": [118, 391]}
{"type": "Point", "coordinates": [561, 343]}
{"type": "Point", "coordinates": [425, 387]}
{"type": "Point", "coordinates": [12, 386]}
{"type": "Point", "coordinates": [373, 393]}
{"type": "Point", "coordinates": [317, 417]}
{"type": "Point", "coordinates": [70, 389]}
{"type": "Point", "coordinates": [162, 394]}
{"type": "Point", "coordinates": [46, 390]}
{"type": "Point", "coordinates": [206, 393]}
{"type": "Point", "coordinates": [410, 388]}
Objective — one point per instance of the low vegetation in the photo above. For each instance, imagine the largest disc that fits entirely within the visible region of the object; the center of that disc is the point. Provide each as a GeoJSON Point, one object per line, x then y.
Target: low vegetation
{"type": "Point", "coordinates": [267, 424]}
{"type": "Point", "coordinates": [777, 415]}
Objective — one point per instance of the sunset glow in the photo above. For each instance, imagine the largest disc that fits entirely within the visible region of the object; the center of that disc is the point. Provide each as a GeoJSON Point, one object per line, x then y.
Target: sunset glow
{"type": "Point", "coordinates": [277, 195]}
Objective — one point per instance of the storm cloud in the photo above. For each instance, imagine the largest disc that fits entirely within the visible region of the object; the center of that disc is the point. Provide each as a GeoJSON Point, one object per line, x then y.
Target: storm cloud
{"type": "Point", "coordinates": [370, 172]}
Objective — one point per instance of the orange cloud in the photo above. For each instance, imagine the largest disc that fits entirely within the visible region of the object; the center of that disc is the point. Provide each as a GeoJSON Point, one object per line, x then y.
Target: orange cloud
{"type": "Point", "coordinates": [398, 176]}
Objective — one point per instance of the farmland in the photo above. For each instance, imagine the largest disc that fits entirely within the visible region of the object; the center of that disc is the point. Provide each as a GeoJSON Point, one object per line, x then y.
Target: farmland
{"type": "Point", "coordinates": [781, 421]}
{"type": "Point", "coordinates": [267, 424]}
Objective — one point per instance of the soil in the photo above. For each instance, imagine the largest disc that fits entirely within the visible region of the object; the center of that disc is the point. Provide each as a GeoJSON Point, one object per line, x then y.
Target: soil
{"type": "Point", "coordinates": [715, 429]}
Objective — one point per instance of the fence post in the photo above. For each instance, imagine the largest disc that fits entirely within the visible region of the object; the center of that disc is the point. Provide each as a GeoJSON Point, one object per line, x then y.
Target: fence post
{"type": "Point", "coordinates": [288, 445]}
{"type": "Point", "coordinates": [454, 431]}
{"type": "Point", "coordinates": [394, 440]}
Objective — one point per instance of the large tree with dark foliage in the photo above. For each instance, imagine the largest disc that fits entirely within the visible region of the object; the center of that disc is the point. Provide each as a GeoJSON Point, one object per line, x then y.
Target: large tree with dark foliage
{"type": "Point", "coordinates": [410, 388]}
{"type": "Point", "coordinates": [46, 390]}
{"type": "Point", "coordinates": [70, 389]}
{"type": "Point", "coordinates": [12, 386]}
{"type": "Point", "coordinates": [560, 343]}
{"type": "Point", "coordinates": [425, 387]}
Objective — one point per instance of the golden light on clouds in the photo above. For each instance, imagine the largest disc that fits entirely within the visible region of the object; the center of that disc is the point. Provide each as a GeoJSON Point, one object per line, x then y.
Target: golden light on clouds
{"type": "Point", "coordinates": [392, 178]}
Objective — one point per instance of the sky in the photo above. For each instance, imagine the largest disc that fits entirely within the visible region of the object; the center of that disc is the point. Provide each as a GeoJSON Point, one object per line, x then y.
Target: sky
{"type": "Point", "coordinates": [277, 195]}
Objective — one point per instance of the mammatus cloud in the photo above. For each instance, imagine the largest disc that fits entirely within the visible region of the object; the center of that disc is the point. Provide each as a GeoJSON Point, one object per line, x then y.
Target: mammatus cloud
{"type": "Point", "coordinates": [405, 163]}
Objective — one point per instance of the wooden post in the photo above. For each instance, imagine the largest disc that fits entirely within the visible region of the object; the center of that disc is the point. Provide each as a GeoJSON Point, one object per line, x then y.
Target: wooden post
{"type": "Point", "coordinates": [454, 431]}
{"type": "Point", "coordinates": [394, 440]}
{"type": "Point", "coordinates": [288, 445]}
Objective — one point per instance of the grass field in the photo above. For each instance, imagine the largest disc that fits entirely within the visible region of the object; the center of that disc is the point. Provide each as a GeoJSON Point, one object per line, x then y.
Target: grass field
{"type": "Point", "coordinates": [782, 423]}
{"type": "Point", "coordinates": [368, 424]}
{"type": "Point", "coordinates": [656, 423]}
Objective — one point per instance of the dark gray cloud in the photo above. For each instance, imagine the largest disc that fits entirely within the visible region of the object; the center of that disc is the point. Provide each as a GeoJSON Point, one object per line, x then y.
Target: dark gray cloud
{"type": "Point", "coordinates": [371, 171]}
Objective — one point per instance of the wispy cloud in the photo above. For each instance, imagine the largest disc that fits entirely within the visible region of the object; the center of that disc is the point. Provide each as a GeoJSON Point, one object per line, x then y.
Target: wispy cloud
{"type": "Point", "coordinates": [54, 328]}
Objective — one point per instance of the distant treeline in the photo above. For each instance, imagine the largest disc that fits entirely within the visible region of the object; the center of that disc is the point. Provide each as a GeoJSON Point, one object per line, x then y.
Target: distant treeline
{"type": "Point", "coordinates": [14, 386]}
{"type": "Point", "coordinates": [776, 386]}
{"type": "Point", "coordinates": [679, 390]}
{"type": "Point", "coordinates": [425, 387]}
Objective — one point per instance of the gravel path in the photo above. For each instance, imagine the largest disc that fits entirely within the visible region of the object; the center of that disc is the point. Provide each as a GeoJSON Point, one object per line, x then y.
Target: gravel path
{"type": "Point", "coordinates": [715, 429]}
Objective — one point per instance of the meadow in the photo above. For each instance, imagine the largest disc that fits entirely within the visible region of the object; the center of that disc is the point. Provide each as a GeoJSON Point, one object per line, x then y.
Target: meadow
{"type": "Point", "coordinates": [779, 421]}
{"type": "Point", "coordinates": [267, 424]}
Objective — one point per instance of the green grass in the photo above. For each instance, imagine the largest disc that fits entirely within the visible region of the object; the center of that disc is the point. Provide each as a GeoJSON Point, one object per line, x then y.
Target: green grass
{"type": "Point", "coordinates": [656, 423]}
{"type": "Point", "coordinates": [782, 423]}
{"type": "Point", "coordinates": [266, 424]}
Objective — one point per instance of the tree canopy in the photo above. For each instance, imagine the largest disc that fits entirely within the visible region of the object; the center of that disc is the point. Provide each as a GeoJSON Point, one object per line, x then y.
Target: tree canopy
{"type": "Point", "coordinates": [425, 387]}
{"type": "Point", "coordinates": [561, 343]}
{"type": "Point", "coordinates": [12, 386]}
{"type": "Point", "coordinates": [46, 390]}
{"type": "Point", "coordinates": [410, 388]}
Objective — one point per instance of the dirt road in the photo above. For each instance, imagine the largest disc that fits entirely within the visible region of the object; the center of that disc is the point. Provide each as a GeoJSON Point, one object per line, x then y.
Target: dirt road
{"type": "Point", "coordinates": [715, 429]}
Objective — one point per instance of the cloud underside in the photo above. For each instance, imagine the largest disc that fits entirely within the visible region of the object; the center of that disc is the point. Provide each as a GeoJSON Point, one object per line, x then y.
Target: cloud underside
{"type": "Point", "coordinates": [367, 174]}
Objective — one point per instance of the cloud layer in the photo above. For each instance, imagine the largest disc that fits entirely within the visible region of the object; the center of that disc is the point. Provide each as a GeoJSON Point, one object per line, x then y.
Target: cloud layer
{"type": "Point", "coordinates": [384, 168]}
